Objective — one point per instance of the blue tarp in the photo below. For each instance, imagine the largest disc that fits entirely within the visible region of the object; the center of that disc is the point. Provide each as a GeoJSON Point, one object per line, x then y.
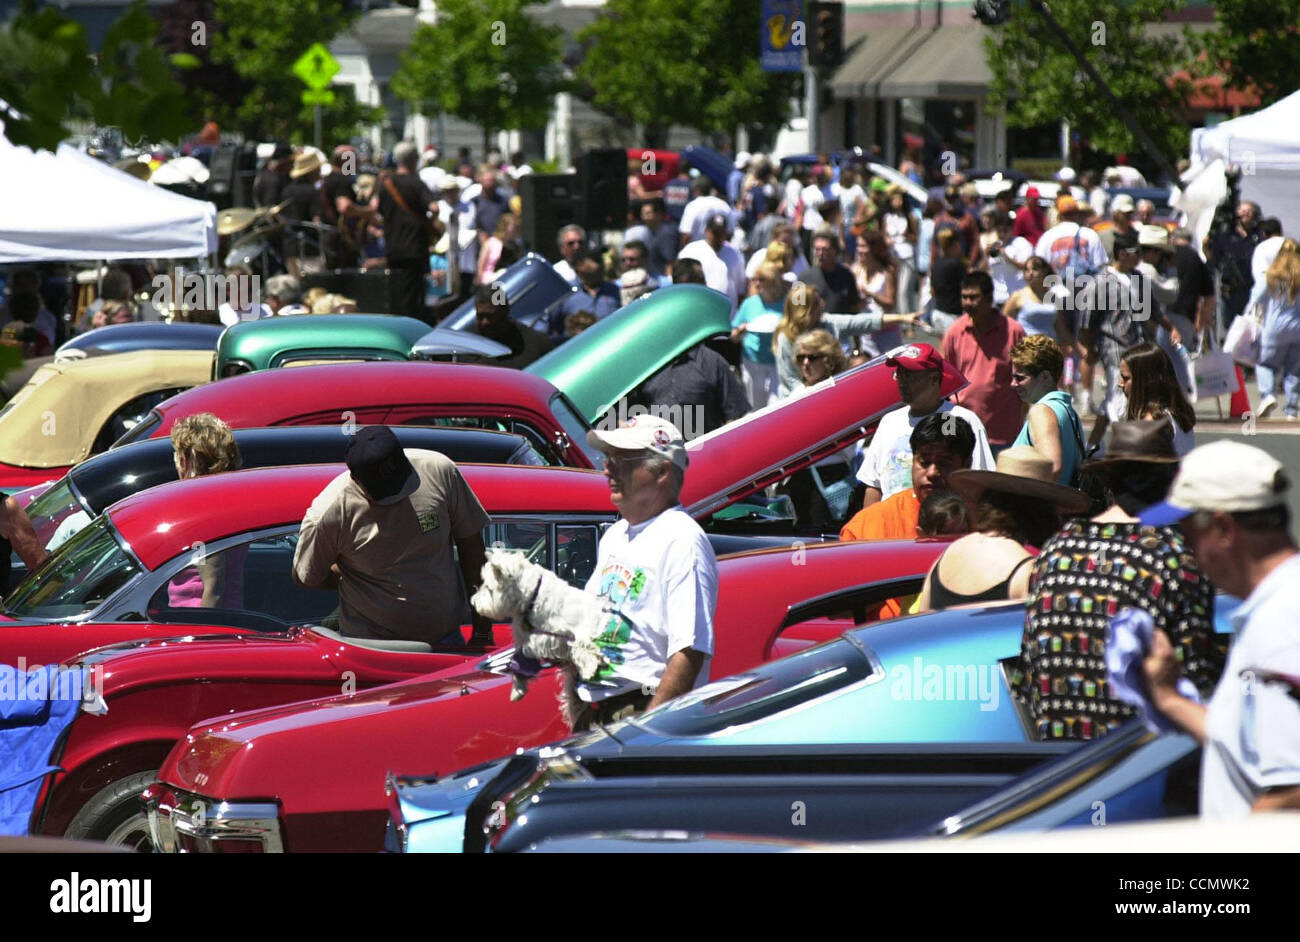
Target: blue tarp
{"type": "Point", "coordinates": [36, 706]}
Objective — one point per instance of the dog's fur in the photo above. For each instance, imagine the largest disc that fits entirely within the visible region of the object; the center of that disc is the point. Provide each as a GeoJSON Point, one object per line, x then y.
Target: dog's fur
{"type": "Point", "coordinates": [551, 621]}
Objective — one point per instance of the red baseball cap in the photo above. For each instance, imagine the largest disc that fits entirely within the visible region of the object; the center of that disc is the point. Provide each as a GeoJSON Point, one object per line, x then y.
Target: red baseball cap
{"type": "Point", "coordinates": [1032, 193]}
{"type": "Point", "coordinates": [915, 357]}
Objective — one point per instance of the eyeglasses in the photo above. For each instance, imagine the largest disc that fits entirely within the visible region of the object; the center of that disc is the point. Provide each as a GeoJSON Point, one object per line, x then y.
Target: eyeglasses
{"type": "Point", "coordinates": [620, 462]}
{"type": "Point", "coordinates": [809, 357]}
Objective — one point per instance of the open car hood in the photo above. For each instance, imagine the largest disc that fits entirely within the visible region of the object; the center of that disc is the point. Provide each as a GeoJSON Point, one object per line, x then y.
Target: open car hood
{"type": "Point", "coordinates": [615, 355]}
{"type": "Point", "coordinates": [533, 289]}
{"type": "Point", "coordinates": [767, 446]}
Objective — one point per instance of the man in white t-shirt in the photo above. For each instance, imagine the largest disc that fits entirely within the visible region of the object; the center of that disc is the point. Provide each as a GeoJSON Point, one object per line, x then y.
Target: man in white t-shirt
{"type": "Point", "coordinates": [1265, 254]}
{"type": "Point", "coordinates": [1006, 260]}
{"type": "Point", "coordinates": [1231, 502]}
{"type": "Point", "coordinates": [656, 574]}
{"type": "Point", "coordinates": [724, 270]}
{"type": "Point", "coordinates": [572, 239]}
{"type": "Point", "coordinates": [698, 211]}
{"type": "Point", "coordinates": [887, 464]}
{"type": "Point", "coordinates": [1057, 244]}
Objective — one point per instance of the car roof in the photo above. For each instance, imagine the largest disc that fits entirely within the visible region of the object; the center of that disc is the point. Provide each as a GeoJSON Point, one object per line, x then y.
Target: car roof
{"type": "Point", "coordinates": [164, 521]}
{"type": "Point", "coordinates": [260, 340]}
{"type": "Point", "coordinates": [140, 335]}
{"type": "Point", "coordinates": [116, 474]}
{"type": "Point", "coordinates": [81, 394]}
{"type": "Point", "coordinates": [277, 397]}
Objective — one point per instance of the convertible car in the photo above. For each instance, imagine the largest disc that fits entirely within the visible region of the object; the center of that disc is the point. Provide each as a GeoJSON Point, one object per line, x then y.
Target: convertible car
{"type": "Point", "coordinates": [141, 335]}
{"type": "Point", "coordinates": [899, 729]}
{"type": "Point", "coordinates": [71, 409]}
{"type": "Point", "coordinates": [93, 486]}
{"type": "Point", "coordinates": [258, 780]}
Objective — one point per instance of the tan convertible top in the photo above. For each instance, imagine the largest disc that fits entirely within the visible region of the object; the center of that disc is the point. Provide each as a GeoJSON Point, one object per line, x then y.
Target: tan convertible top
{"type": "Point", "coordinates": [53, 421]}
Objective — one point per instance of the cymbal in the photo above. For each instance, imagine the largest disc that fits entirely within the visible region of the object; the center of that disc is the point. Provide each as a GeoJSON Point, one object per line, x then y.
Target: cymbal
{"type": "Point", "coordinates": [234, 219]}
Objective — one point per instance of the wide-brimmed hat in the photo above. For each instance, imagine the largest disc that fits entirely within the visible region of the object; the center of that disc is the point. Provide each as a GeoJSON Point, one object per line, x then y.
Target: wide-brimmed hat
{"type": "Point", "coordinates": [304, 164]}
{"type": "Point", "coordinates": [1154, 237]}
{"type": "Point", "coordinates": [1150, 440]}
{"type": "Point", "coordinates": [1224, 476]}
{"type": "Point", "coordinates": [1020, 470]}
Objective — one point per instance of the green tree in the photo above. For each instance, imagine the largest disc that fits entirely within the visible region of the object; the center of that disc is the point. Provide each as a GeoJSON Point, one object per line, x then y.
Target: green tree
{"type": "Point", "coordinates": [260, 40]}
{"type": "Point", "coordinates": [48, 78]}
{"type": "Point", "coordinates": [687, 62]}
{"type": "Point", "coordinates": [486, 61]}
{"type": "Point", "coordinates": [1255, 46]}
{"type": "Point", "coordinates": [1040, 82]}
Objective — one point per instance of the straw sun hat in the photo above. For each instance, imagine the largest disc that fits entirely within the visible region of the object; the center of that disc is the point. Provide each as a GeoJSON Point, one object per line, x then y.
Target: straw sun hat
{"type": "Point", "coordinates": [1020, 470]}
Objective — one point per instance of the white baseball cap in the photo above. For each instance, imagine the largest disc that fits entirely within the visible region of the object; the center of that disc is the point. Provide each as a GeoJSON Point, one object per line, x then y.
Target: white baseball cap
{"type": "Point", "coordinates": [1122, 204]}
{"type": "Point", "coordinates": [645, 432]}
{"type": "Point", "coordinates": [1223, 476]}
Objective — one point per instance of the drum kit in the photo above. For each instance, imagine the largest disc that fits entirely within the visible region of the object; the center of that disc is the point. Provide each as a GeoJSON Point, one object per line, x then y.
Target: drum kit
{"type": "Point", "coordinates": [256, 239]}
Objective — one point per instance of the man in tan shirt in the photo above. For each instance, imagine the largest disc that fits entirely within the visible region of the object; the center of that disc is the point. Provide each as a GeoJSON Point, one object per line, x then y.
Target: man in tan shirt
{"type": "Point", "coordinates": [383, 533]}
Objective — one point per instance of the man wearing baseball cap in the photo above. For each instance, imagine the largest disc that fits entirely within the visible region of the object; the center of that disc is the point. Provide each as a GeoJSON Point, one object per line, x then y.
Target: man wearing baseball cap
{"type": "Point", "coordinates": [724, 269]}
{"type": "Point", "coordinates": [656, 574]}
{"type": "Point", "coordinates": [1231, 501]}
{"type": "Point", "coordinates": [919, 371]}
{"type": "Point", "coordinates": [382, 533]}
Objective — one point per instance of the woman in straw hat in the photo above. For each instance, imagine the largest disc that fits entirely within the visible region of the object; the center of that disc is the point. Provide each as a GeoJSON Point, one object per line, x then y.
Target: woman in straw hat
{"type": "Point", "coordinates": [1018, 505]}
{"type": "Point", "coordinates": [1091, 570]}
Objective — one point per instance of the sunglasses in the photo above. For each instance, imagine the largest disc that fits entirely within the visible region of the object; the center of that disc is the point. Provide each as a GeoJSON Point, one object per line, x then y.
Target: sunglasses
{"type": "Point", "coordinates": [617, 463]}
{"type": "Point", "coordinates": [809, 357]}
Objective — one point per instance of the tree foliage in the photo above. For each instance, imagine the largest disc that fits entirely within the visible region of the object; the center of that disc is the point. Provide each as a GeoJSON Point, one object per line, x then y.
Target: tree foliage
{"type": "Point", "coordinates": [260, 40]}
{"type": "Point", "coordinates": [1040, 81]}
{"type": "Point", "coordinates": [49, 78]}
{"type": "Point", "coordinates": [213, 91]}
{"type": "Point", "coordinates": [485, 61]}
{"type": "Point", "coordinates": [687, 62]}
{"type": "Point", "coordinates": [1255, 46]}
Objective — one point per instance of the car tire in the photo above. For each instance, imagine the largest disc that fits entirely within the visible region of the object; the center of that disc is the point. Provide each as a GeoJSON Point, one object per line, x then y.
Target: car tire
{"type": "Point", "coordinates": [116, 815]}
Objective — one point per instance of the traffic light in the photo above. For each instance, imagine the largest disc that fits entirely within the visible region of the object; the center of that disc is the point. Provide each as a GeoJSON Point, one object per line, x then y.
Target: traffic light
{"type": "Point", "coordinates": [992, 12]}
{"type": "Point", "coordinates": [825, 23]}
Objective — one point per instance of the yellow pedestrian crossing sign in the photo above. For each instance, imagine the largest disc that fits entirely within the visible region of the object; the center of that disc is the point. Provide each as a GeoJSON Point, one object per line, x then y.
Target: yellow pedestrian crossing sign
{"type": "Point", "coordinates": [316, 66]}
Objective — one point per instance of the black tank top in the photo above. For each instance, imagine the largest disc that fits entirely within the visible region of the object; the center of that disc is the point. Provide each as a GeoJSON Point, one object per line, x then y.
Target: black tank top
{"type": "Point", "coordinates": [943, 597]}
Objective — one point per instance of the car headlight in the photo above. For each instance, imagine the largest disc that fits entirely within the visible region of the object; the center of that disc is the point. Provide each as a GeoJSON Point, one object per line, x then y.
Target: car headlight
{"type": "Point", "coordinates": [182, 822]}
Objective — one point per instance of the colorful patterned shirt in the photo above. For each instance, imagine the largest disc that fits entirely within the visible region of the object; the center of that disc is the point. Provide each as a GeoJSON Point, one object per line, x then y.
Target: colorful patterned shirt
{"type": "Point", "coordinates": [1086, 573]}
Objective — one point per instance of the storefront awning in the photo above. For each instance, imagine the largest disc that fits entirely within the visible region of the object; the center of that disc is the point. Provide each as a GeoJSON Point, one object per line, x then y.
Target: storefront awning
{"type": "Point", "coordinates": [950, 63]}
{"type": "Point", "coordinates": [879, 53]}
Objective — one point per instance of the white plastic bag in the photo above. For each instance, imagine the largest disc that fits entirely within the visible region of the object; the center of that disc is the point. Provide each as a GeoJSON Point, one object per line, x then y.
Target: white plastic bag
{"type": "Point", "coordinates": [1242, 341]}
{"type": "Point", "coordinates": [1216, 373]}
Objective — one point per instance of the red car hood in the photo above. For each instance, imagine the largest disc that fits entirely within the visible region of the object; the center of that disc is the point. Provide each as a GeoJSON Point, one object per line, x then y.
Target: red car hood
{"type": "Point", "coordinates": [32, 645]}
{"type": "Point", "coordinates": [15, 477]}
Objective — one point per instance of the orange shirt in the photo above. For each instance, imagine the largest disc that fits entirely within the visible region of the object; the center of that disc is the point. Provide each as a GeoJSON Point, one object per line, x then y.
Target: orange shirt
{"type": "Point", "coordinates": [893, 518]}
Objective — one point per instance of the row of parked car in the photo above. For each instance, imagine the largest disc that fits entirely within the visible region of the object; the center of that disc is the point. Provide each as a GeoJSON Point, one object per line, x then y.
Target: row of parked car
{"type": "Point", "coordinates": [257, 729]}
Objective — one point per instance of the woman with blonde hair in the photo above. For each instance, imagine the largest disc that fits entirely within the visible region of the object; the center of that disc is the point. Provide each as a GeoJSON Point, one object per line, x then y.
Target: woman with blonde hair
{"type": "Point", "coordinates": [821, 493]}
{"type": "Point", "coordinates": [203, 444]}
{"type": "Point", "coordinates": [804, 311]}
{"type": "Point", "coordinates": [490, 257]}
{"type": "Point", "coordinates": [1279, 342]}
{"type": "Point", "coordinates": [752, 326]}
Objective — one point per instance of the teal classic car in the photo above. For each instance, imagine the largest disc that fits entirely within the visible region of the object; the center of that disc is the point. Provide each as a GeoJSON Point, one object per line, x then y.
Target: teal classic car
{"type": "Point", "coordinates": [302, 339]}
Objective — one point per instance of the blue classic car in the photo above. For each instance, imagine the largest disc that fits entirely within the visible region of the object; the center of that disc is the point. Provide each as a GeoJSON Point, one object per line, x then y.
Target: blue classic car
{"type": "Point", "coordinates": [142, 335]}
{"type": "Point", "coordinates": [897, 729]}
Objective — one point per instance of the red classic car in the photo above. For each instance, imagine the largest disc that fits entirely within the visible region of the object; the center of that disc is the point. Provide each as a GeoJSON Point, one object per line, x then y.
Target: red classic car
{"type": "Point", "coordinates": [388, 393]}
{"type": "Point", "coordinates": [310, 776]}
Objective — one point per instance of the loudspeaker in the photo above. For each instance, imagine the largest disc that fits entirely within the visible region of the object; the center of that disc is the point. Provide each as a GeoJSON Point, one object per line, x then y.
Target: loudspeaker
{"type": "Point", "coordinates": [222, 170]}
{"type": "Point", "coordinates": [602, 189]}
{"type": "Point", "coordinates": [550, 202]}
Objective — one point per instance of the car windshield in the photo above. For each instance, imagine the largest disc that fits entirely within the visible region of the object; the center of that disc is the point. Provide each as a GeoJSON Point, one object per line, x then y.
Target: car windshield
{"type": "Point", "coordinates": [574, 427]}
{"type": "Point", "coordinates": [140, 430]}
{"type": "Point", "coordinates": [77, 579]}
{"type": "Point", "coordinates": [765, 691]}
{"type": "Point", "coordinates": [52, 508]}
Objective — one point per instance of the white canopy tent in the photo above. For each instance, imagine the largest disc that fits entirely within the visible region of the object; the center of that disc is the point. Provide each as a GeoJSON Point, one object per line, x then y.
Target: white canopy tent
{"type": "Point", "coordinates": [1266, 146]}
{"type": "Point", "coordinates": [69, 206]}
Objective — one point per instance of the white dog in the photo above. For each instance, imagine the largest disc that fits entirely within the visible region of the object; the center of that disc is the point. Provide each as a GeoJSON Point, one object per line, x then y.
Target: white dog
{"type": "Point", "coordinates": [551, 621]}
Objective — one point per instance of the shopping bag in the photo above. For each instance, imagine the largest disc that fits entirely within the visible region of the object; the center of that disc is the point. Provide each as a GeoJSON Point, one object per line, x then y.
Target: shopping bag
{"type": "Point", "coordinates": [1242, 341]}
{"type": "Point", "coordinates": [1216, 373]}
{"type": "Point", "coordinates": [836, 494]}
